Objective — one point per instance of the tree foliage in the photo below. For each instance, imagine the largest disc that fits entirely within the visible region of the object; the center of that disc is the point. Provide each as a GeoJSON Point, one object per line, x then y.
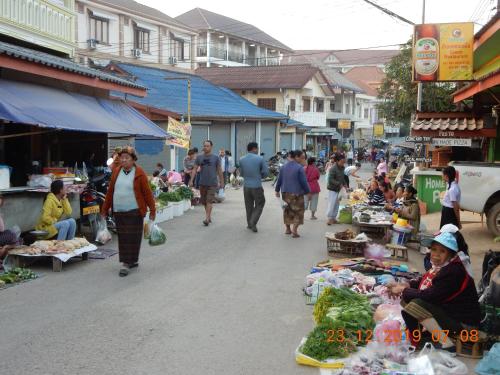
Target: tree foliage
{"type": "Point", "coordinates": [399, 93]}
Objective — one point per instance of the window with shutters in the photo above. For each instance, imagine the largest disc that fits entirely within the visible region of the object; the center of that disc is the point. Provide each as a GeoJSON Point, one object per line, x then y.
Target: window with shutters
{"type": "Point", "coordinates": [320, 105]}
{"type": "Point", "coordinates": [99, 29]}
{"type": "Point", "coordinates": [292, 105]}
{"type": "Point", "coordinates": [306, 105]}
{"type": "Point", "coordinates": [141, 39]}
{"type": "Point", "coordinates": [332, 105]}
{"type": "Point", "coordinates": [267, 103]}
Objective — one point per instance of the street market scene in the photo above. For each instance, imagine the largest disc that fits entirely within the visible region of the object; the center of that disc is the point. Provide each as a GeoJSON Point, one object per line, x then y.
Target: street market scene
{"type": "Point", "coordinates": [182, 192]}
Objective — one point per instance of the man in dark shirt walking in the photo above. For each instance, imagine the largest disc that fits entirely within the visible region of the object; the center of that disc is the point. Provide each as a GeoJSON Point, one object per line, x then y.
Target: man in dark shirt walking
{"type": "Point", "coordinates": [210, 178]}
{"type": "Point", "coordinates": [253, 169]}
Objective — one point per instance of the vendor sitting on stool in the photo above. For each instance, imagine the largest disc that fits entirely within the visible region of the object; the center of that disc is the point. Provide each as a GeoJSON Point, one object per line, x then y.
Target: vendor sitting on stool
{"type": "Point", "coordinates": [410, 210]}
{"type": "Point", "coordinates": [444, 299]}
{"type": "Point", "coordinates": [55, 206]}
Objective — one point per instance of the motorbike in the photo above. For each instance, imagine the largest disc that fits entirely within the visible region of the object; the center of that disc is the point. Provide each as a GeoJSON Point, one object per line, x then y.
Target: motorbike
{"type": "Point", "coordinates": [91, 201]}
{"type": "Point", "coordinates": [275, 163]}
{"type": "Point", "coordinates": [320, 164]}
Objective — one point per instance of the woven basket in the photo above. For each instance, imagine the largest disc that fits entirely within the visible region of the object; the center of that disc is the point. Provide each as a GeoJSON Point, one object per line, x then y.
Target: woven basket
{"type": "Point", "coordinates": [344, 248]}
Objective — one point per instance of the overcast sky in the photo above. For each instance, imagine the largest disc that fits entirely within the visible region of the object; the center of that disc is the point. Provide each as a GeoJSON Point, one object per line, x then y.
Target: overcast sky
{"type": "Point", "coordinates": [335, 24]}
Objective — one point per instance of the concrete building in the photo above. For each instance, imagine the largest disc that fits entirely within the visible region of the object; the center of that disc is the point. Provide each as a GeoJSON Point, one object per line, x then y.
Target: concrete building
{"type": "Point", "coordinates": [124, 30]}
{"type": "Point", "coordinates": [224, 41]}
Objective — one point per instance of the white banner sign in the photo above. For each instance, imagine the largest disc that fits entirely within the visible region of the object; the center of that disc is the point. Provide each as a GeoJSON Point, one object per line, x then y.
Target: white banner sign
{"type": "Point", "coordinates": [456, 142]}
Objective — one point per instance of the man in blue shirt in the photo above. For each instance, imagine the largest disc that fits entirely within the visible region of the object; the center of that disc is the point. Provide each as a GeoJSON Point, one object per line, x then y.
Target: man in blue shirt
{"type": "Point", "coordinates": [253, 169]}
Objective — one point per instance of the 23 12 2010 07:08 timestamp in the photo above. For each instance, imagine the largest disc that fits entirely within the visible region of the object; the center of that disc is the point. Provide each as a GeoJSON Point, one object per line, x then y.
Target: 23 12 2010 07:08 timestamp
{"type": "Point", "coordinates": [396, 335]}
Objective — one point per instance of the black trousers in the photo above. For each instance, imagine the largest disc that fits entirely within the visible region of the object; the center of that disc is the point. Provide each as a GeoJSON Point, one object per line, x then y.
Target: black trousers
{"type": "Point", "coordinates": [254, 204]}
{"type": "Point", "coordinates": [448, 216]}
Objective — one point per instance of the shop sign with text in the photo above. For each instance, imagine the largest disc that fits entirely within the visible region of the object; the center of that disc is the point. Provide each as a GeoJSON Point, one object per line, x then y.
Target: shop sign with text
{"type": "Point", "coordinates": [455, 142]}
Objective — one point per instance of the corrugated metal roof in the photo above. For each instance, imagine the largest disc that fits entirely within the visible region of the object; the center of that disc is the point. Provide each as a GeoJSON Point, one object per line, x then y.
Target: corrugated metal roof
{"type": "Point", "coordinates": [61, 64]}
{"type": "Point", "coordinates": [337, 79]}
{"type": "Point", "coordinates": [207, 99]}
{"type": "Point", "coordinates": [448, 124]}
{"type": "Point", "coordinates": [202, 19]}
{"type": "Point", "coordinates": [260, 77]}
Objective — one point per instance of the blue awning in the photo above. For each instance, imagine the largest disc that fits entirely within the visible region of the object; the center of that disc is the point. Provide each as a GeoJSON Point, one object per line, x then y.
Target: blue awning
{"type": "Point", "coordinates": [49, 107]}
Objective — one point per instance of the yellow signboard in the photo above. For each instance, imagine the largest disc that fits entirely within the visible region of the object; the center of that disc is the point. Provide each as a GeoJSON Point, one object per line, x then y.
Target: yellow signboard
{"type": "Point", "coordinates": [443, 52]}
{"type": "Point", "coordinates": [180, 132]}
{"type": "Point", "coordinates": [344, 124]}
{"type": "Point", "coordinates": [378, 130]}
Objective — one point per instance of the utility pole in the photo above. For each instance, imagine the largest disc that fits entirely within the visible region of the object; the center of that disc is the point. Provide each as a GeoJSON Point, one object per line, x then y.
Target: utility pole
{"type": "Point", "coordinates": [419, 86]}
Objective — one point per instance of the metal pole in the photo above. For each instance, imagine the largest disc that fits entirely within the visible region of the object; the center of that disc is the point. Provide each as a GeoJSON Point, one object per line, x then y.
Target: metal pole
{"type": "Point", "coordinates": [419, 86]}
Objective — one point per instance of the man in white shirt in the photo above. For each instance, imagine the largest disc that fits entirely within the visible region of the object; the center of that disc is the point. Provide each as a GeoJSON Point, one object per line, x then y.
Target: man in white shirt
{"type": "Point", "coordinates": [350, 156]}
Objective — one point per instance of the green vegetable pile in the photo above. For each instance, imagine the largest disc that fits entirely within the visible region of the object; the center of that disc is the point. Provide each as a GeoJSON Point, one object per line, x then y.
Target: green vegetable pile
{"type": "Point", "coordinates": [169, 196]}
{"type": "Point", "coordinates": [340, 313]}
{"type": "Point", "coordinates": [185, 192]}
{"type": "Point", "coordinates": [17, 275]}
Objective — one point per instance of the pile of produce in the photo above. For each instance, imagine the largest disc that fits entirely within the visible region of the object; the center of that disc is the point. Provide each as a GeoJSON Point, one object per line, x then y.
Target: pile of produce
{"type": "Point", "coordinates": [185, 192]}
{"type": "Point", "coordinates": [340, 313]}
{"type": "Point", "coordinates": [17, 275]}
{"type": "Point", "coordinates": [357, 196]}
{"type": "Point", "coordinates": [169, 196]}
{"type": "Point", "coordinates": [345, 235]}
{"type": "Point", "coordinates": [51, 247]}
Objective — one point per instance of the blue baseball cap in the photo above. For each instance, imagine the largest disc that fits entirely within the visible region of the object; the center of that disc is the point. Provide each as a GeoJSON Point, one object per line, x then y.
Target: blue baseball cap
{"type": "Point", "coordinates": [448, 240]}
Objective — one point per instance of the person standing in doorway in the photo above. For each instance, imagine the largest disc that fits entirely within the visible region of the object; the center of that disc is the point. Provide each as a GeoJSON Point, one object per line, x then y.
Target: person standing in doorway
{"type": "Point", "coordinates": [312, 176]}
{"type": "Point", "coordinates": [336, 181]}
{"type": "Point", "coordinates": [253, 169]}
{"type": "Point", "coordinates": [211, 177]}
{"type": "Point", "coordinates": [292, 183]}
{"type": "Point", "coordinates": [450, 213]}
{"type": "Point", "coordinates": [129, 196]}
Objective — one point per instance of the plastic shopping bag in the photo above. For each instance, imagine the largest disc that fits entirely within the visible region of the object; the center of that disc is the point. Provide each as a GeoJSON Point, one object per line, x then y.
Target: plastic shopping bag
{"type": "Point", "coordinates": [490, 364]}
{"type": "Point", "coordinates": [157, 236]}
{"type": "Point", "coordinates": [147, 229]}
{"type": "Point", "coordinates": [436, 362]}
{"type": "Point", "coordinates": [103, 234]}
{"type": "Point", "coordinates": [221, 195]}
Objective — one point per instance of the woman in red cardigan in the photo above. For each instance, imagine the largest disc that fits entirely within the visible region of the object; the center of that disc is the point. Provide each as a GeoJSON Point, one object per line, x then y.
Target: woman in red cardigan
{"type": "Point", "coordinates": [312, 176]}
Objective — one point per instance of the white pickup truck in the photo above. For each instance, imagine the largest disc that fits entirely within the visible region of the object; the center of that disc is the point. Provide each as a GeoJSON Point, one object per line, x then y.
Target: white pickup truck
{"type": "Point", "coordinates": [480, 187]}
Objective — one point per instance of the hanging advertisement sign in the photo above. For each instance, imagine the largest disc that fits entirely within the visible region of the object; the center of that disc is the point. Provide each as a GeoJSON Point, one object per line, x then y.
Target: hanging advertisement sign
{"type": "Point", "coordinates": [180, 132]}
{"type": "Point", "coordinates": [443, 52]}
{"type": "Point", "coordinates": [378, 129]}
{"type": "Point", "coordinates": [344, 124]}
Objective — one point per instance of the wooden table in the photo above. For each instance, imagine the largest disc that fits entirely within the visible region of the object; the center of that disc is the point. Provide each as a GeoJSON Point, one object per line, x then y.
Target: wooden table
{"type": "Point", "coordinates": [378, 229]}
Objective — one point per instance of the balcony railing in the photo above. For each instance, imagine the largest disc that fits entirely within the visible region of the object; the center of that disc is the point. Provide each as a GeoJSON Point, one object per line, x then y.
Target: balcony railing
{"type": "Point", "coordinates": [53, 22]}
{"type": "Point", "coordinates": [310, 118]}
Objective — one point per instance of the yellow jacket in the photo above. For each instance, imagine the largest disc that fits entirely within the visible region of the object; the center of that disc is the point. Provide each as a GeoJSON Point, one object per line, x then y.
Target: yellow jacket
{"type": "Point", "coordinates": [52, 211]}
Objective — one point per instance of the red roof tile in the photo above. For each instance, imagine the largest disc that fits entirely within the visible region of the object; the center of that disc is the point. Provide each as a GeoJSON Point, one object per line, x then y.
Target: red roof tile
{"type": "Point", "coordinates": [368, 78]}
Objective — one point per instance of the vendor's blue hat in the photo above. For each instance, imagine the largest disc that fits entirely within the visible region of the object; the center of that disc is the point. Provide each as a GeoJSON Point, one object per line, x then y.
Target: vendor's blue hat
{"type": "Point", "coordinates": [448, 240]}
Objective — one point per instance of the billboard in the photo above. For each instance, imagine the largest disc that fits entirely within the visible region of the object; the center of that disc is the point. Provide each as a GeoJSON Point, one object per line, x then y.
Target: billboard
{"type": "Point", "coordinates": [443, 52]}
{"type": "Point", "coordinates": [378, 129]}
{"type": "Point", "coordinates": [180, 133]}
{"type": "Point", "coordinates": [344, 124]}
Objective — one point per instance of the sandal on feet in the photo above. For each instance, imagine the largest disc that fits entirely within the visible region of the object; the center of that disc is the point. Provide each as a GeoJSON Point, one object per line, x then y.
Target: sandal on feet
{"type": "Point", "coordinates": [134, 265]}
{"type": "Point", "coordinates": [295, 235]}
{"type": "Point", "coordinates": [124, 270]}
{"type": "Point", "coordinates": [288, 232]}
{"type": "Point", "coordinates": [206, 222]}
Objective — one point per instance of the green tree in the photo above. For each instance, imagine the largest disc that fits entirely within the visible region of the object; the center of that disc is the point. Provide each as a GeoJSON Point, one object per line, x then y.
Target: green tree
{"type": "Point", "coordinates": [399, 93]}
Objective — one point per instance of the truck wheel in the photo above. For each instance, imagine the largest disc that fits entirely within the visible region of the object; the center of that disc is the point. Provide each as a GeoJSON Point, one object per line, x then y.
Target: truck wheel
{"type": "Point", "coordinates": [493, 220]}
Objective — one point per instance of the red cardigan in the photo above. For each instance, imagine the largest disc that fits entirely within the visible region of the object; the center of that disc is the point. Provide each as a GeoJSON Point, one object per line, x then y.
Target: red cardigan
{"type": "Point", "coordinates": [312, 175]}
{"type": "Point", "coordinates": [142, 190]}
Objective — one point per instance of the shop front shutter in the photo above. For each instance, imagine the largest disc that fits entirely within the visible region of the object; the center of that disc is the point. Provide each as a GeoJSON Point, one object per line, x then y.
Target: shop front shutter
{"type": "Point", "coordinates": [268, 140]}
{"type": "Point", "coordinates": [286, 141]}
{"type": "Point", "coordinates": [220, 135]}
{"type": "Point", "coordinates": [299, 141]}
{"type": "Point", "coordinates": [245, 133]}
{"type": "Point", "coordinates": [199, 134]}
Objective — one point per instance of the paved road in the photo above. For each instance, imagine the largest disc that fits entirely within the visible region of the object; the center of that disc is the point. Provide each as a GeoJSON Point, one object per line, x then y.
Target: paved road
{"type": "Point", "coordinates": [217, 300]}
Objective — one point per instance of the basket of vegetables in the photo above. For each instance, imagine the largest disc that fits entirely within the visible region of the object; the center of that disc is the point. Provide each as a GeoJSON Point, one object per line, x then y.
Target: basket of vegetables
{"type": "Point", "coordinates": [344, 244]}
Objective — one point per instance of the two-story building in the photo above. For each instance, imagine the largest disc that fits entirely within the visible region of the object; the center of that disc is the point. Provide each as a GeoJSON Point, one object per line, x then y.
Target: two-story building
{"type": "Point", "coordinates": [125, 30]}
{"type": "Point", "coordinates": [224, 41]}
{"type": "Point", "coordinates": [299, 91]}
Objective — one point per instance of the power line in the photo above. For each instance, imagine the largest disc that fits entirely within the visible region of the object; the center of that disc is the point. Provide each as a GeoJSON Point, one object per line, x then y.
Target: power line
{"type": "Point", "coordinates": [390, 12]}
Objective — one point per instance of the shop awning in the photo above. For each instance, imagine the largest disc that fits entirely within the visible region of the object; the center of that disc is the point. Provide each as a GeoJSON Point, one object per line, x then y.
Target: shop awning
{"type": "Point", "coordinates": [49, 107]}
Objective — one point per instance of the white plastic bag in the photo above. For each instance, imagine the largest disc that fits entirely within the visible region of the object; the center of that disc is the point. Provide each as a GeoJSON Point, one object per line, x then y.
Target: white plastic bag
{"type": "Point", "coordinates": [38, 180]}
{"type": "Point", "coordinates": [221, 195]}
{"type": "Point", "coordinates": [157, 236]}
{"type": "Point", "coordinates": [103, 234]}
{"type": "Point", "coordinates": [436, 362]}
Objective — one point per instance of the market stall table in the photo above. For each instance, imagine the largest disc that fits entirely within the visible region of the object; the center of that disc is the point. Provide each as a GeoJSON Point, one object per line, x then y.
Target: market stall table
{"type": "Point", "coordinates": [372, 220]}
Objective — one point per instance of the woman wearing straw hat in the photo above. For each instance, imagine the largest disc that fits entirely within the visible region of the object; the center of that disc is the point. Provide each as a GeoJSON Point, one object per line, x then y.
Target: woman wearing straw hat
{"type": "Point", "coordinates": [129, 196]}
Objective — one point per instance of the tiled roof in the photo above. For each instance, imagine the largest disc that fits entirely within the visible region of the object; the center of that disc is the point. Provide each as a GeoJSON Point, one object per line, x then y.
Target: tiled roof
{"type": "Point", "coordinates": [260, 77]}
{"type": "Point", "coordinates": [207, 99]}
{"type": "Point", "coordinates": [448, 124]}
{"type": "Point", "coordinates": [61, 64]}
{"type": "Point", "coordinates": [344, 57]}
{"type": "Point", "coordinates": [135, 7]}
{"type": "Point", "coordinates": [337, 79]}
{"type": "Point", "coordinates": [368, 78]}
{"type": "Point", "coordinates": [202, 19]}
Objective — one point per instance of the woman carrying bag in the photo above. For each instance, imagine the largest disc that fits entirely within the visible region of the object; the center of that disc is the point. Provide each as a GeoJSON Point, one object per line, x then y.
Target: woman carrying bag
{"type": "Point", "coordinates": [129, 196]}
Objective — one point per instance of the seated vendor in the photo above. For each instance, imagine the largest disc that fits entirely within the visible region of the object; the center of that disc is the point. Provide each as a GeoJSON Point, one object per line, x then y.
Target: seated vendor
{"type": "Point", "coordinates": [462, 245]}
{"type": "Point", "coordinates": [159, 182]}
{"type": "Point", "coordinates": [56, 206]}
{"type": "Point", "coordinates": [375, 195]}
{"type": "Point", "coordinates": [8, 238]}
{"type": "Point", "coordinates": [410, 210]}
{"type": "Point", "coordinates": [388, 192]}
{"type": "Point", "coordinates": [444, 299]}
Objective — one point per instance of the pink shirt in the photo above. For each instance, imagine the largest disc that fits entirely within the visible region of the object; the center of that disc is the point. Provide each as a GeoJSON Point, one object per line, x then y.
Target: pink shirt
{"type": "Point", "coordinates": [382, 167]}
{"type": "Point", "coordinates": [312, 176]}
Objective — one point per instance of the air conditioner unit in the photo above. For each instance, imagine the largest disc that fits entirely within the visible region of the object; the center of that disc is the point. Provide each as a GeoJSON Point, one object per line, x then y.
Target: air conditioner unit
{"type": "Point", "coordinates": [92, 43]}
{"type": "Point", "coordinates": [172, 60]}
{"type": "Point", "coordinates": [136, 52]}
